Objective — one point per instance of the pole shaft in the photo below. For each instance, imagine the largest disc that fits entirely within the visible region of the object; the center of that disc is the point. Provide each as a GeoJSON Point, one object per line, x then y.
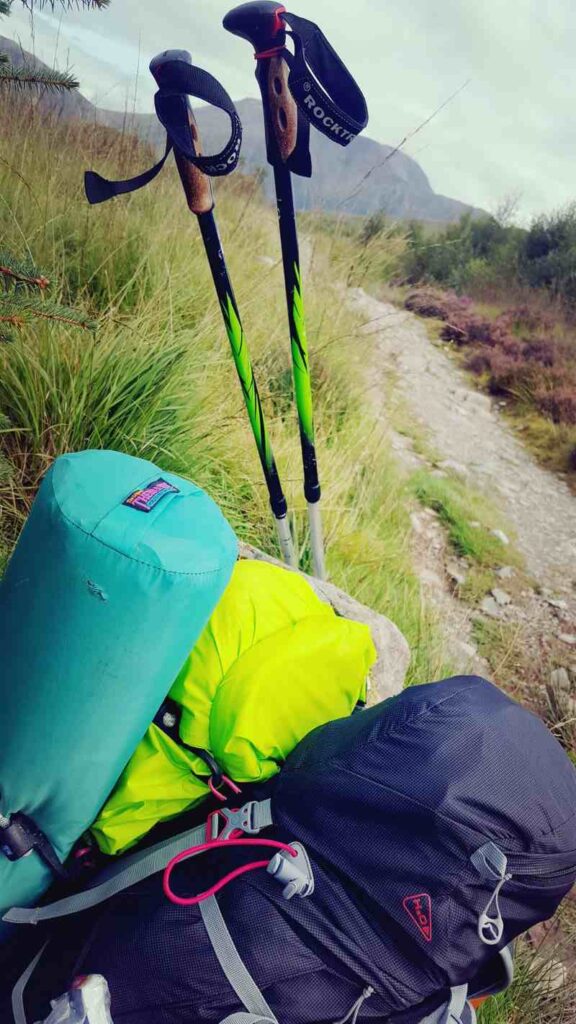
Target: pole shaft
{"type": "Point", "coordinates": [300, 361]}
{"type": "Point", "coordinates": [235, 332]}
{"type": "Point", "coordinates": [298, 339]}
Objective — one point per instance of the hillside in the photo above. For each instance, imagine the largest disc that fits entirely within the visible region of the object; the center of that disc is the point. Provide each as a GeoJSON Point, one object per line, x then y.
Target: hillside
{"type": "Point", "coordinates": [398, 186]}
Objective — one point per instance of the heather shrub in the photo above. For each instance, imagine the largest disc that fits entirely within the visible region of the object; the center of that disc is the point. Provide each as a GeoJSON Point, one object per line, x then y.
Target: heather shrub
{"type": "Point", "coordinates": [541, 350]}
{"type": "Point", "coordinates": [467, 328]}
{"type": "Point", "coordinates": [479, 361]}
{"type": "Point", "coordinates": [525, 320]}
{"type": "Point", "coordinates": [558, 402]}
{"type": "Point", "coordinates": [429, 302]}
{"type": "Point", "coordinates": [455, 332]}
{"type": "Point", "coordinates": [511, 347]}
{"type": "Point", "coordinates": [481, 331]}
{"type": "Point", "coordinates": [507, 375]}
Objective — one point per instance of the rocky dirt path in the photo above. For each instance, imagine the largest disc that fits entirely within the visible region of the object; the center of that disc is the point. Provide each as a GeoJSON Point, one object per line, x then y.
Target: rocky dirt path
{"type": "Point", "coordinates": [466, 430]}
{"type": "Point", "coordinates": [464, 426]}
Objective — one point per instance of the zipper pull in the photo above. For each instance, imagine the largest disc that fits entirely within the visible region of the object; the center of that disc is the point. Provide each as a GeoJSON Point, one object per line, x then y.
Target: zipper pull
{"type": "Point", "coordinates": [491, 864]}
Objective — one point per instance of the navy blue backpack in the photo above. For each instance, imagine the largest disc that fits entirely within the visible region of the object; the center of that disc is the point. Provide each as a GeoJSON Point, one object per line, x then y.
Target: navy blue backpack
{"type": "Point", "coordinates": [401, 851]}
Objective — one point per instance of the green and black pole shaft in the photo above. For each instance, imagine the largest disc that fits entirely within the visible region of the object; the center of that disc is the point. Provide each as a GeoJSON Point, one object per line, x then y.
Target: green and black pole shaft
{"type": "Point", "coordinates": [198, 191]}
{"type": "Point", "coordinates": [178, 78]}
{"type": "Point", "coordinates": [261, 24]}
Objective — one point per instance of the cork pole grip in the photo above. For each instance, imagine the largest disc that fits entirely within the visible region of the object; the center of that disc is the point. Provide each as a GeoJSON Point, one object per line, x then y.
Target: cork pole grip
{"type": "Point", "coordinates": [197, 186]}
{"type": "Point", "coordinates": [283, 109]}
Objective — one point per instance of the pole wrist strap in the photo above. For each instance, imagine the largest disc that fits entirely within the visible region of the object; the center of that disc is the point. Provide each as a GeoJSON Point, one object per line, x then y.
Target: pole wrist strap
{"type": "Point", "coordinates": [322, 86]}
{"type": "Point", "coordinates": [180, 80]}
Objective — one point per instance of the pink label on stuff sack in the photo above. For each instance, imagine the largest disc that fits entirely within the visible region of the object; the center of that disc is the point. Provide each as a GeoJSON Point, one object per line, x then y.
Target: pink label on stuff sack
{"type": "Point", "coordinates": [146, 498]}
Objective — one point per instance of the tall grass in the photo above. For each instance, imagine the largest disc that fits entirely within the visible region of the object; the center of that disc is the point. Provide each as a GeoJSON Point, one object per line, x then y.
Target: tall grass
{"type": "Point", "coordinates": [158, 381]}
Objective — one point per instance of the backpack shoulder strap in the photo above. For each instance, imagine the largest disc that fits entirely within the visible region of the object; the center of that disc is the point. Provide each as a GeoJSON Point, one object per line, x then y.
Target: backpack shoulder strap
{"type": "Point", "coordinates": [18, 1010]}
{"type": "Point", "coordinates": [234, 967]}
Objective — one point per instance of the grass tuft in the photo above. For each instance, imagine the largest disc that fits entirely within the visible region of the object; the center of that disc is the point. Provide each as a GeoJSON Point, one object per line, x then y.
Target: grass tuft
{"type": "Point", "coordinates": [467, 516]}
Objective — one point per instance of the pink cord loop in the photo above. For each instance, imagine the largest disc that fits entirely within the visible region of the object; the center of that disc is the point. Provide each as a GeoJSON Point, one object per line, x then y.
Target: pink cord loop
{"type": "Point", "coordinates": [228, 782]}
{"type": "Point", "coordinates": [192, 901]}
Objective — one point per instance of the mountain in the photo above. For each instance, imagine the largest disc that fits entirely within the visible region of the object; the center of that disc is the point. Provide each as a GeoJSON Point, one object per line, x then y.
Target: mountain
{"type": "Point", "coordinates": [361, 179]}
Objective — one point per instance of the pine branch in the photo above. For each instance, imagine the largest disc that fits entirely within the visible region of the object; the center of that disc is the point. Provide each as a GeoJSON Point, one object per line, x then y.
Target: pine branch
{"type": "Point", "coordinates": [5, 6]}
{"type": "Point", "coordinates": [22, 298]}
{"type": "Point", "coordinates": [20, 271]}
{"type": "Point", "coordinates": [16, 276]}
{"type": "Point", "coordinates": [18, 310]}
{"type": "Point", "coordinates": [69, 4]}
{"type": "Point", "coordinates": [24, 77]}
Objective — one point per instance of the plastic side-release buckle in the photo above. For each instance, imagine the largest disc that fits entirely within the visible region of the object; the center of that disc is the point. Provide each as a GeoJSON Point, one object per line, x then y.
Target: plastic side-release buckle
{"type": "Point", "coordinates": [238, 820]}
{"type": "Point", "coordinates": [294, 873]}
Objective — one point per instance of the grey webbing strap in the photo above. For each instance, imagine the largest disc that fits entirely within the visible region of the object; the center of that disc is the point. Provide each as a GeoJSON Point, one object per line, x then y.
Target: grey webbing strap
{"type": "Point", "coordinates": [234, 968]}
{"type": "Point", "coordinates": [456, 1011]}
{"type": "Point", "coordinates": [507, 961]}
{"type": "Point", "coordinates": [125, 874]}
{"type": "Point", "coordinates": [18, 1009]}
{"type": "Point", "coordinates": [262, 814]}
{"type": "Point", "coordinates": [246, 1018]}
{"type": "Point", "coordinates": [136, 868]}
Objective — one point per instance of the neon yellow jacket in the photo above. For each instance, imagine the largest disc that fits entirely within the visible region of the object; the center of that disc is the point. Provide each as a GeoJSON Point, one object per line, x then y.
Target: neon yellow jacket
{"type": "Point", "coordinates": [273, 663]}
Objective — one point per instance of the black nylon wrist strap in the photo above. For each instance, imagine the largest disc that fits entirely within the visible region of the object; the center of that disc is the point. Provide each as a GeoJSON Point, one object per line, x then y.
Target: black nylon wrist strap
{"type": "Point", "coordinates": [321, 84]}
{"type": "Point", "coordinates": [180, 80]}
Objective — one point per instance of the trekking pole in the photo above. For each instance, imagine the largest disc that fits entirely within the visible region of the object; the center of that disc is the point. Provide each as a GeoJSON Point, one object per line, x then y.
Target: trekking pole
{"type": "Point", "coordinates": [310, 86]}
{"type": "Point", "coordinates": [177, 79]}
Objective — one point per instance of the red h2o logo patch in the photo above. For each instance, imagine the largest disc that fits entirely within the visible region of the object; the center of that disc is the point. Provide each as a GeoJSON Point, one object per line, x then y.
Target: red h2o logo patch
{"type": "Point", "coordinates": [419, 910]}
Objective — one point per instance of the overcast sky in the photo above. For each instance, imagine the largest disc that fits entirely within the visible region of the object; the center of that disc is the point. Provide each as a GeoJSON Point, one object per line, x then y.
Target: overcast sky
{"type": "Point", "coordinates": [512, 129]}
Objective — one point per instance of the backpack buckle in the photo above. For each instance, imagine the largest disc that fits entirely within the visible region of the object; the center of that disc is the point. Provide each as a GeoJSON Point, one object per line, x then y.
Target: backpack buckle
{"type": "Point", "coordinates": [249, 819]}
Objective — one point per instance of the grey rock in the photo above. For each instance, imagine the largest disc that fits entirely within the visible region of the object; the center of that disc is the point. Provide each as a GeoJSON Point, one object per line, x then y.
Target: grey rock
{"type": "Point", "coordinates": [501, 597]}
{"type": "Point", "coordinates": [501, 536]}
{"type": "Point", "coordinates": [568, 638]}
{"type": "Point", "coordinates": [506, 572]}
{"type": "Point", "coordinates": [560, 680]}
{"type": "Point", "coordinates": [468, 650]}
{"type": "Point", "coordinates": [388, 674]}
{"type": "Point", "coordinates": [431, 579]}
{"type": "Point", "coordinates": [416, 523]}
{"type": "Point", "coordinates": [489, 607]}
{"type": "Point", "coordinates": [549, 975]}
{"type": "Point", "coordinates": [557, 602]}
{"type": "Point", "coordinates": [456, 573]}
{"type": "Point", "coordinates": [454, 467]}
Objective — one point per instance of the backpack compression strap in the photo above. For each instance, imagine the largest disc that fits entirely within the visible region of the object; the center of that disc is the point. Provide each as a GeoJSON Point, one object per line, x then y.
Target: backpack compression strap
{"type": "Point", "coordinates": [251, 818]}
{"type": "Point", "coordinates": [179, 79]}
{"type": "Point", "coordinates": [321, 84]}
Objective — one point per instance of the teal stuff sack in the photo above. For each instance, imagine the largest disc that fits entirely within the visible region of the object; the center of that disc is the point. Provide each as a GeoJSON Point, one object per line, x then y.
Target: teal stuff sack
{"type": "Point", "coordinates": [115, 575]}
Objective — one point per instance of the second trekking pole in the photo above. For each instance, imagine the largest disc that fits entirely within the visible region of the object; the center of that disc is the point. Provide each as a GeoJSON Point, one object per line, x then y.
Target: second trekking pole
{"type": "Point", "coordinates": [178, 79]}
{"type": "Point", "coordinates": [309, 86]}
{"type": "Point", "coordinates": [263, 28]}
